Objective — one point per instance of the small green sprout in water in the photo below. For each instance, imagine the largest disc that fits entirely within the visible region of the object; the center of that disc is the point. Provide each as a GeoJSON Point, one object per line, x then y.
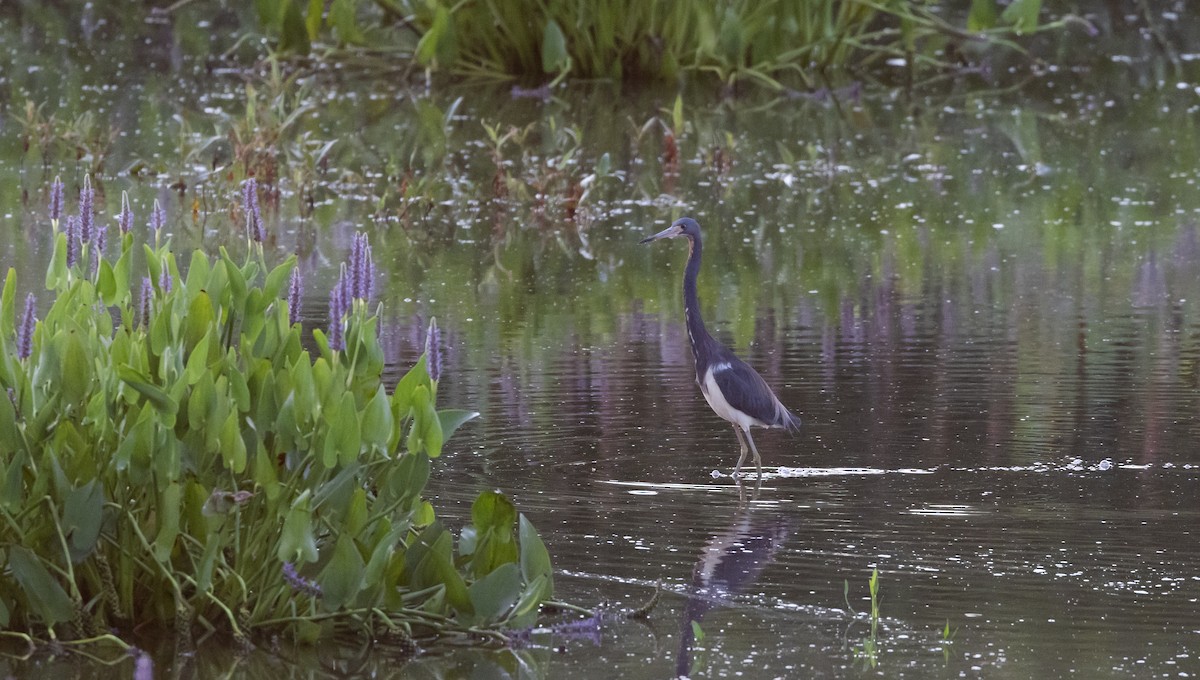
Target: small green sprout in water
{"type": "Point", "coordinates": [947, 640]}
{"type": "Point", "coordinates": [697, 631]}
{"type": "Point", "coordinates": [868, 651]}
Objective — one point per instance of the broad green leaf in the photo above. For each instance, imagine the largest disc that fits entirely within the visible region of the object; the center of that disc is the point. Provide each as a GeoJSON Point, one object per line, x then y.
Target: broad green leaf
{"type": "Point", "coordinates": [264, 473]}
{"type": "Point", "coordinates": [535, 559]}
{"type": "Point", "coordinates": [356, 513]}
{"type": "Point", "coordinates": [341, 579]}
{"type": "Point", "coordinates": [429, 562]}
{"type": "Point", "coordinates": [377, 421]}
{"type": "Point", "coordinates": [77, 366]}
{"type": "Point", "coordinates": [493, 517]}
{"type": "Point", "coordinates": [345, 430]}
{"type": "Point", "coordinates": [56, 273]}
{"type": "Point", "coordinates": [46, 597]}
{"type": "Point", "coordinates": [8, 304]}
{"type": "Point", "coordinates": [1022, 15]}
{"type": "Point", "coordinates": [493, 595]}
{"type": "Point", "coordinates": [982, 15]}
{"type": "Point", "coordinates": [156, 395]}
{"type": "Point", "coordinates": [106, 283]}
{"type": "Point", "coordinates": [136, 444]}
{"type": "Point", "coordinates": [170, 504]}
{"type": "Point", "coordinates": [296, 542]}
{"type": "Point", "coordinates": [426, 432]}
{"type": "Point", "coordinates": [277, 279]}
{"type": "Point", "coordinates": [199, 270]}
{"type": "Point", "coordinates": [10, 436]}
{"type": "Point", "coordinates": [233, 447]}
{"type": "Point", "coordinates": [83, 511]}
{"type": "Point", "coordinates": [312, 18]}
{"type": "Point", "coordinates": [524, 612]}
{"type": "Point", "coordinates": [342, 19]}
{"type": "Point", "coordinates": [451, 419]}
{"type": "Point", "coordinates": [554, 48]}
{"type": "Point", "coordinates": [427, 47]}
{"type": "Point", "coordinates": [197, 361]}
{"type": "Point", "coordinates": [198, 322]}
{"type": "Point", "coordinates": [208, 562]}
{"type": "Point", "coordinates": [293, 33]}
{"type": "Point", "coordinates": [237, 280]}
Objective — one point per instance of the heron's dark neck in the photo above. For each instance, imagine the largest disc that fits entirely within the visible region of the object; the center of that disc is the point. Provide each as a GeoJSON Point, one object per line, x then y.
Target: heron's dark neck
{"type": "Point", "coordinates": [697, 333]}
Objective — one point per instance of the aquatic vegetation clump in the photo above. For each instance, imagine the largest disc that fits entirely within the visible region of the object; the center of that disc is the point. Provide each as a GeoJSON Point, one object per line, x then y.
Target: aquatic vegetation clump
{"type": "Point", "coordinates": [175, 456]}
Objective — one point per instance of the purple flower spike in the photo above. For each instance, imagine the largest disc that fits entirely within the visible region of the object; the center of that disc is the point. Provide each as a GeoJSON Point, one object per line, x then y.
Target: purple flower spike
{"type": "Point", "coordinates": [56, 200]}
{"type": "Point", "coordinates": [358, 265]}
{"type": "Point", "coordinates": [72, 232]}
{"type": "Point", "coordinates": [295, 292]}
{"type": "Point", "coordinates": [339, 303]}
{"type": "Point", "coordinates": [164, 280]}
{"type": "Point", "coordinates": [25, 330]}
{"type": "Point", "coordinates": [143, 666]}
{"type": "Point", "coordinates": [125, 218]}
{"type": "Point", "coordinates": [433, 351]}
{"type": "Point", "coordinates": [299, 583]}
{"type": "Point", "coordinates": [254, 221]}
{"type": "Point", "coordinates": [370, 291]}
{"type": "Point", "coordinates": [87, 210]}
{"type": "Point", "coordinates": [101, 241]}
{"type": "Point", "coordinates": [158, 218]}
{"type": "Point", "coordinates": [147, 298]}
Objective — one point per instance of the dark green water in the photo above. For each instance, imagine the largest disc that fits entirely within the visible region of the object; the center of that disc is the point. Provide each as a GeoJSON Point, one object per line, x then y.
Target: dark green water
{"type": "Point", "coordinates": [984, 305]}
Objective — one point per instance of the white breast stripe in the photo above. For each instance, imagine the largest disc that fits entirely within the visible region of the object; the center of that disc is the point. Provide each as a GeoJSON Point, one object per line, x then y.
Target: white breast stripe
{"type": "Point", "coordinates": [715, 399]}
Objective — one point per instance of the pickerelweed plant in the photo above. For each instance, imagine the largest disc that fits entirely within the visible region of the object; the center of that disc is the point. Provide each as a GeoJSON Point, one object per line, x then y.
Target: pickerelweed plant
{"type": "Point", "coordinates": [175, 456]}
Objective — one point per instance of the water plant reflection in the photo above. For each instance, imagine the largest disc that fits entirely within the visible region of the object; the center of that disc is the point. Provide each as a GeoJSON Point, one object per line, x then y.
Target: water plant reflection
{"type": "Point", "coordinates": [731, 562]}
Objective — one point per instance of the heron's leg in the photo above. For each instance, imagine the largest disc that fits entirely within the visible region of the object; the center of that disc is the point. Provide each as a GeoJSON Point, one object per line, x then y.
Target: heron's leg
{"type": "Point", "coordinates": [757, 458]}
{"type": "Point", "coordinates": [742, 458]}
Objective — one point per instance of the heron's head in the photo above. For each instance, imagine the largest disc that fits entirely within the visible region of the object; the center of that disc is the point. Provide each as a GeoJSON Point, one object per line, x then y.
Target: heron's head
{"type": "Point", "coordinates": [684, 226]}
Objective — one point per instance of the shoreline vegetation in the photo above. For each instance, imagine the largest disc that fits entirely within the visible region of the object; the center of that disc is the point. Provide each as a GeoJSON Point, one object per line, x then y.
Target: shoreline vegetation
{"type": "Point", "coordinates": [175, 453]}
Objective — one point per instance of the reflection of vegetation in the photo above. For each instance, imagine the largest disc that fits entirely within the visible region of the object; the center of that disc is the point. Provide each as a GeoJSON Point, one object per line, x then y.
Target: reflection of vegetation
{"type": "Point", "coordinates": [184, 461]}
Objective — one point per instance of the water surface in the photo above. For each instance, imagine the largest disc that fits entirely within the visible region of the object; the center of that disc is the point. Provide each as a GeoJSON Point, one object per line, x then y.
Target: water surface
{"type": "Point", "coordinates": [984, 306]}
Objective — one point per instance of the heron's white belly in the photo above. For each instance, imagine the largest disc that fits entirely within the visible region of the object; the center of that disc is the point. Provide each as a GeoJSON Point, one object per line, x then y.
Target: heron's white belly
{"type": "Point", "coordinates": [715, 399]}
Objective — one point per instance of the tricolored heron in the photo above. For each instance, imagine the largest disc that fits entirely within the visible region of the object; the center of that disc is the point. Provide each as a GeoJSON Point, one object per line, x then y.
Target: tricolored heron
{"type": "Point", "coordinates": [735, 391]}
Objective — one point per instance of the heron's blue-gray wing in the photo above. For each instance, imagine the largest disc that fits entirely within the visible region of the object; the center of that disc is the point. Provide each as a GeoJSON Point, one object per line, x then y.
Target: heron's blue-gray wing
{"type": "Point", "coordinates": [745, 390]}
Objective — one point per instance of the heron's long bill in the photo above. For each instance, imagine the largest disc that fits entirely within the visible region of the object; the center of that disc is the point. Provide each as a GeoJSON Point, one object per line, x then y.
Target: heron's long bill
{"type": "Point", "coordinates": [665, 233]}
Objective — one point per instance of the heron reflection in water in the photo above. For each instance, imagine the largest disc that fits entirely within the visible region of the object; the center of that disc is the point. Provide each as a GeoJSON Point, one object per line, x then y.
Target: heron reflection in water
{"type": "Point", "coordinates": [730, 563]}
{"type": "Point", "coordinates": [733, 389]}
